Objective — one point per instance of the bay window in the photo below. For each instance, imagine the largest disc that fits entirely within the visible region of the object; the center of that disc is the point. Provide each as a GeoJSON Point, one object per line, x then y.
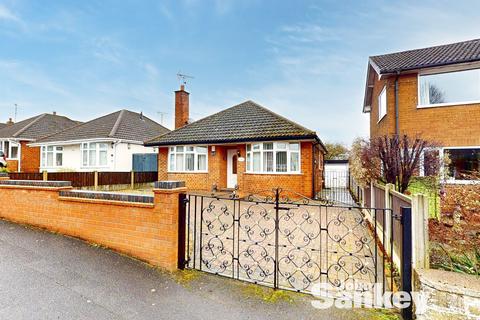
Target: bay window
{"type": "Point", "coordinates": [449, 88]}
{"type": "Point", "coordinates": [51, 156]}
{"type": "Point", "coordinates": [273, 157]}
{"type": "Point", "coordinates": [94, 154]}
{"type": "Point", "coordinates": [187, 159]}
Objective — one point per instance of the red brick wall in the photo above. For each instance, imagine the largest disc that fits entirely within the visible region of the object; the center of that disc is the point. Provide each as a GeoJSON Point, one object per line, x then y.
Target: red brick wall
{"type": "Point", "coordinates": [448, 126]}
{"type": "Point", "coordinates": [247, 182]}
{"type": "Point", "coordinates": [148, 232]}
{"type": "Point", "coordinates": [30, 158]}
{"type": "Point", "coordinates": [12, 165]}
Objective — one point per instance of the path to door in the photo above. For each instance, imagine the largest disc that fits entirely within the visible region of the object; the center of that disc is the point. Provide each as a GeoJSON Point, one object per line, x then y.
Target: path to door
{"type": "Point", "coordinates": [47, 276]}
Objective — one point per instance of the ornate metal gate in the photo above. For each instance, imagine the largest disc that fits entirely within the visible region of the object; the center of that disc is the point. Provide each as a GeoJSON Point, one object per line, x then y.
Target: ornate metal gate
{"type": "Point", "coordinates": [286, 241]}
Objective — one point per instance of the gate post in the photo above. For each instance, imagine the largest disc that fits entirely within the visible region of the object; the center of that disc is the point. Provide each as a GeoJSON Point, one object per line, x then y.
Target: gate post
{"type": "Point", "coordinates": [406, 265]}
{"type": "Point", "coordinates": [167, 199]}
{"type": "Point", "coordinates": [182, 225]}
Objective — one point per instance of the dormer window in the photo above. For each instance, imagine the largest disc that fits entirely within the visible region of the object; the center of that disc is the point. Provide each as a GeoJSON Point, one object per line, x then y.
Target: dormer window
{"type": "Point", "coordinates": [459, 87]}
{"type": "Point", "coordinates": [382, 104]}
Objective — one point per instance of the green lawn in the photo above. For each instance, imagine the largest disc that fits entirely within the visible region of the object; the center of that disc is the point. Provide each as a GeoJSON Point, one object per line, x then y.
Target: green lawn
{"type": "Point", "coordinates": [423, 186]}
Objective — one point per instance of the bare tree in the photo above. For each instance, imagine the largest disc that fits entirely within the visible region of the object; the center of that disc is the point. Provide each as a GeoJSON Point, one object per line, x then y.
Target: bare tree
{"type": "Point", "coordinates": [396, 160]}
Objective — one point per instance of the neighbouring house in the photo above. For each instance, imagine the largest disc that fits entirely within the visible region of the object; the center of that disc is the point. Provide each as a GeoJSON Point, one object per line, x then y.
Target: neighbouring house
{"type": "Point", "coordinates": [432, 93]}
{"type": "Point", "coordinates": [245, 147]}
{"type": "Point", "coordinates": [15, 139]}
{"type": "Point", "coordinates": [108, 143]}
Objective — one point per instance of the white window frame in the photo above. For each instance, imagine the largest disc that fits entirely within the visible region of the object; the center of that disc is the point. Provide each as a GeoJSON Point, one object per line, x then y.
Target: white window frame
{"type": "Point", "coordinates": [44, 154]}
{"type": "Point", "coordinates": [446, 104]}
{"type": "Point", "coordinates": [382, 112]}
{"type": "Point", "coordinates": [452, 180]}
{"type": "Point", "coordinates": [97, 154]}
{"type": "Point", "coordinates": [249, 155]}
{"type": "Point", "coordinates": [173, 150]}
{"type": "Point", "coordinates": [9, 151]}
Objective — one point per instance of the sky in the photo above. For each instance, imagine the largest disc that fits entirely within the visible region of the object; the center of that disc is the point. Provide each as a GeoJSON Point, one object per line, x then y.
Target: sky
{"type": "Point", "coordinates": [305, 60]}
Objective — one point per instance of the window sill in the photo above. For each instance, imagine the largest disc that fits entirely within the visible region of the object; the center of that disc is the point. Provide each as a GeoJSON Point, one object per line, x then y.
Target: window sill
{"type": "Point", "coordinates": [451, 104]}
{"type": "Point", "coordinates": [276, 173]}
{"type": "Point", "coordinates": [463, 182]}
{"type": "Point", "coordinates": [188, 172]}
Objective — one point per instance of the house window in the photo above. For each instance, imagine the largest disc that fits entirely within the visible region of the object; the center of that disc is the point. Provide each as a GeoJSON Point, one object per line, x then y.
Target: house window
{"type": "Point", "coordinates": [51, 156]}
{"type": "Point", "coordinates": [463, 162]}
{"type": "Point", "coordinates": [187, 159]}
{"type": "Point", "coordinates": [94, 154]}
{"type": "Point", "coordinates": [10, 149]}
{"type": "Point", "coordinates": [273, 157]}
{"type": "Point", "coordinates": [449, 88]}
{"type": "Point", "coordinates": [382, 104]}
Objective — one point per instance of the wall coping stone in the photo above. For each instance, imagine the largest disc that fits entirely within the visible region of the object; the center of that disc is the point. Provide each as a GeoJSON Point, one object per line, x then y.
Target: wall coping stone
{"type": "Point", "coordinates": [112, 196]}
{"type": "Point", "coordinates": [453, 282]}
{"type": "Point", "coordinates": [169, 184]}
{"type": "Point", "coordinates": [36, 183]}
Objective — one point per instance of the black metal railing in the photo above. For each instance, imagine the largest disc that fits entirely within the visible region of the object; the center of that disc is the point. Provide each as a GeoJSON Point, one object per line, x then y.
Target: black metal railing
{"type": "Point", "coordinates": [287, 242]}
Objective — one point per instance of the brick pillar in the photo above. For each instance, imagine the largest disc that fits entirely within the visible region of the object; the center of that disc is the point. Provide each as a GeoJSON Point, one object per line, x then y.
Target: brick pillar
{"type": "Point", "coordinates": [167, 204]}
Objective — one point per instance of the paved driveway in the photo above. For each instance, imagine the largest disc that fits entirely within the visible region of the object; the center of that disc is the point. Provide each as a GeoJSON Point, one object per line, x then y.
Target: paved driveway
{"type": "Point", "coordinates": [48, 276]}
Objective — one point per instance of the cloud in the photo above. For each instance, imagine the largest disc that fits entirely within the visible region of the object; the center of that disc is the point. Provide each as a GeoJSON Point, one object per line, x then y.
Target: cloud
{"type": "Point", "coordinates": [107, 49]}
{"type": "Point", "coordinates": [6, 14]}
{"type": "Point", "coordinates": [30, 76]}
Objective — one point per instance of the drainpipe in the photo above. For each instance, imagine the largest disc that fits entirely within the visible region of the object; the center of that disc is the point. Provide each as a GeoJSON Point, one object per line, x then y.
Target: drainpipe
{"type": "Point", "coordinates": [313, 169]}
{"type": "Point", "coordinates": [397, 125]}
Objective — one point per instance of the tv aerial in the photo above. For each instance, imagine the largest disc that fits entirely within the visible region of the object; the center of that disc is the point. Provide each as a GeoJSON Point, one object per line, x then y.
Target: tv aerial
{"type": "Point", "coordinates": [184, 77]}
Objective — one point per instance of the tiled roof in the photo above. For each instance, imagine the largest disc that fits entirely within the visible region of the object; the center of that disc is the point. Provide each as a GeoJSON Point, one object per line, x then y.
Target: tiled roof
{"type": "Point", "coordinates": [2, 125]}
{"type": "Point", "coordinates": [37, 127]}
{"type": "Point", "coordinates": [460, 52]}
{"type": "Point", "coordinates": [123, 124]}
{"type": "Point", "coordinates": [247, 121]}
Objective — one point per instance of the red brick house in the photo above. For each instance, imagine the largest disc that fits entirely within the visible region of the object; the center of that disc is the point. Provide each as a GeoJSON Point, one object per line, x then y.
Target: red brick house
{"type": "Point", "coordinates": [15, 137]}
{"type": "Point", "coordinates": [433, 93]}
{"type": "Point", "coordinates": [247, 147]}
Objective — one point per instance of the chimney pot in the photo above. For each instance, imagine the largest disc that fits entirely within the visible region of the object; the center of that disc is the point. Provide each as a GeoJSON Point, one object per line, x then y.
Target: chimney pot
{"type": "Point", "coordinates": [54, 113]}
{"type": "Point", "coordinates": [181, 107]}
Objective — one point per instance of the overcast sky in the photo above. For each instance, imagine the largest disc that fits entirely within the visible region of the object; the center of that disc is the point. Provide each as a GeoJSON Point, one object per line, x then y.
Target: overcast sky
{"type": "Point", "coordinates": [303, 59]}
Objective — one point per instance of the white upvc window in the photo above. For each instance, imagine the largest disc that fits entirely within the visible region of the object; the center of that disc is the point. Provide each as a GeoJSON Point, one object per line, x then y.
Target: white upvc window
{"type": "Point", "coordinates": [94, 154]}
{"type": "Point", "coordinates": [273, 157]}
{"type": "Point", "coordinates": [51, 156]}
{"type": "Point", "coordinates": [382, 104]}
{"type": "Point", "coordinates": [188, 159]}
{"type": "Point", "coordinates": [449, 88]}
{"type": "Point", "coordinates": [10, 149]}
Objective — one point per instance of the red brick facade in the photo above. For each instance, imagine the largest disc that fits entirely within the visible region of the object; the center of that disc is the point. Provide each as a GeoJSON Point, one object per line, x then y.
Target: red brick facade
{"type": "Point", "coordinates": [29, 159]}
{"type": "Point", "coordinates": [305, 183]}
{"type": "Point", "coordinates": [448, 126]}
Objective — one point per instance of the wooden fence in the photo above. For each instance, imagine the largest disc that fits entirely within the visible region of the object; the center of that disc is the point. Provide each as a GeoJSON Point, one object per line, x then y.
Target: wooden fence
{"type": "Point", "coordinates": [377, 196]}
{"type": "Point", "coordinates": [89, 179]}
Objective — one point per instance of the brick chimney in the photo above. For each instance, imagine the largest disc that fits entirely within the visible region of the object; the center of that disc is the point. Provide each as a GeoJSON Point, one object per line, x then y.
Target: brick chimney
{"type": "Point", "coordinates": [181, 107]}
{"type": "Point", "coordinates": [9, 122]}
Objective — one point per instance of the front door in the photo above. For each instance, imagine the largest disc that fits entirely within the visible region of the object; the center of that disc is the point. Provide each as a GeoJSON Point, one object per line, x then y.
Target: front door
{"type": "Point", "coordinates": [232, 168]}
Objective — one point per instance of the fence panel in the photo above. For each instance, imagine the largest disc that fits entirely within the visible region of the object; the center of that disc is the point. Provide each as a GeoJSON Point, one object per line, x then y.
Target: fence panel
{"type": "Point", "coordinates": [146, 177]}
{"type": "Point", "coordinates": [78, 179]}
{"type": "Point", "coordinates": [110, 178]}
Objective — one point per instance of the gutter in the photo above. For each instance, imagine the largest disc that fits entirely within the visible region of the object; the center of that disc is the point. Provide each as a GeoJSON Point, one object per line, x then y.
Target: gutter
{"type": "Point", "coordinates": [397, 124]}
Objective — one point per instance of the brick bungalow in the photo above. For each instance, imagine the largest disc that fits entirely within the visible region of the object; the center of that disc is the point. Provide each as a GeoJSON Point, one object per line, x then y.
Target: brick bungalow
{"type": "Point", "coordinates": [433, 93]}
{"type": "Point", "coordinates": [14, 138]}
{"type": "Point", "coordinates": [247, 147]}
